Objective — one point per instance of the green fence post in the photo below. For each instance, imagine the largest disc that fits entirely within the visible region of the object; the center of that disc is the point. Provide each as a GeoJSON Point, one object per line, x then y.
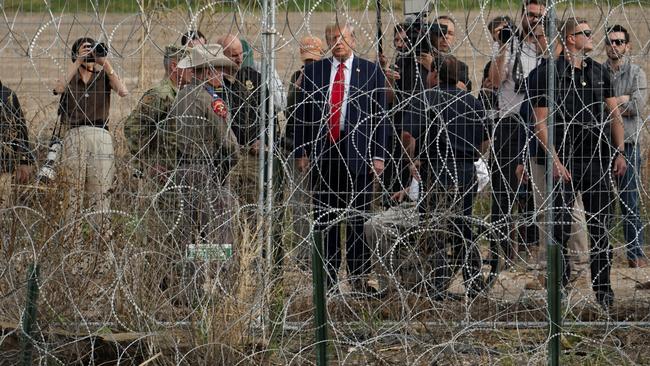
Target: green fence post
{"type": "Point", "coordinates": [554, 266]}
{"type": "Point", "coordinates": [320, 315]}
{"type": "Point", "coordinates": [29, 314]}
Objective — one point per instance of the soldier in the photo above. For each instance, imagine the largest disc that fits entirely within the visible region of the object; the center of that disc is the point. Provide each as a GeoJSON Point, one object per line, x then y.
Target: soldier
{"type": "Point", "coordinates": [206, 147]}
{"type": "Point", "coordinates": [142, 127]}
{"type": "Point", "coordinates": [155, 159]}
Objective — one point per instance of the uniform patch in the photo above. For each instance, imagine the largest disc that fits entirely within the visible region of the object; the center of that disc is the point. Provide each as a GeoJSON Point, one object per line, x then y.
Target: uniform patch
{"type": "Point", "coordinates": [249, 84]}
{"type": "Point", "coordinates": [219, 107]}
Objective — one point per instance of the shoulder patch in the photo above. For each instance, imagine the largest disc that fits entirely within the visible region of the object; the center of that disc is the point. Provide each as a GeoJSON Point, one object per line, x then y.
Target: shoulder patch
{"type": "Point", "coordinates": [219, 108]}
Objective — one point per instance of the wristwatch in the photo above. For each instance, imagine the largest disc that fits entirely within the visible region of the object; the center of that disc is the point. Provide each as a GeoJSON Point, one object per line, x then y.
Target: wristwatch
{"type": "Point", "coordinates": [619, 152]}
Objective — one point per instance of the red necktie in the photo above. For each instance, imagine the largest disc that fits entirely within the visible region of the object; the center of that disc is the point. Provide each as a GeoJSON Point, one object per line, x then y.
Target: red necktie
{"type": "Point", "coordinates": [336, 101]}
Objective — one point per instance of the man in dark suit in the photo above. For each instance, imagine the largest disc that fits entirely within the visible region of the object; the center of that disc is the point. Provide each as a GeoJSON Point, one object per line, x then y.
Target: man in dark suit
{"type": "Point", "coordinates": [342, 132]}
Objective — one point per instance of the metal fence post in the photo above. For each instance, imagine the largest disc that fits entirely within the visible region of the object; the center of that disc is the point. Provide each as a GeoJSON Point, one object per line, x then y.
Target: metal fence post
{"type": "Point", "coordinates": [554, 266]}
{"type": "Point", "coordinates": [320, 314]}
{"type": "Point", "coordinates": [29, 314]}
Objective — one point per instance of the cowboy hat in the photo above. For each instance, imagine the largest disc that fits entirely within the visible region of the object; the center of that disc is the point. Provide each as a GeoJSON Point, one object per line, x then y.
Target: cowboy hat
{"type": "Point", "coordinates": [204, 56]}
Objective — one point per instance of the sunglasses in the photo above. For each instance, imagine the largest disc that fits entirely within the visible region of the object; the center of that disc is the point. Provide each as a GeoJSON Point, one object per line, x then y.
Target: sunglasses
{"type": "Point", "coordinates": [587, 33]}
{"type": "Point", "coordinates": [618, 42]}
{"type": "Point", "coordinates": [533, 15]}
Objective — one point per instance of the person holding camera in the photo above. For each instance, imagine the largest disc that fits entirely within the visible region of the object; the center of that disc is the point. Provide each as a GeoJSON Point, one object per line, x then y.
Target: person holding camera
{"type": "Point", "coordinates": [87, 155]}
{"type": "Point", "coordinates": [15, 152]}
{"type": "Point", "coordinates": [517, 56]}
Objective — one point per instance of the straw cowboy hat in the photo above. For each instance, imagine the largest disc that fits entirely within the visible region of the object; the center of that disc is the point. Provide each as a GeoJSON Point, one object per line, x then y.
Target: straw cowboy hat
{"type": "Point", "coordinates": [204, 56]}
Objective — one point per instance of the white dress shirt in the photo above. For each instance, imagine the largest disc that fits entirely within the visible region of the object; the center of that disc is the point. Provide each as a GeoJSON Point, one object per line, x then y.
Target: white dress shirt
{"type": "Point", "coordinates": [347, 76]}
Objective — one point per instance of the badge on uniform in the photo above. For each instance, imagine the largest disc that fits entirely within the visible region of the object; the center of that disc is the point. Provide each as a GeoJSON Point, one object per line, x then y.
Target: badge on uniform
{"type": "Point", "coordinates": [249, 85]}
{"type": "Point", "coordinates": [219, 107]}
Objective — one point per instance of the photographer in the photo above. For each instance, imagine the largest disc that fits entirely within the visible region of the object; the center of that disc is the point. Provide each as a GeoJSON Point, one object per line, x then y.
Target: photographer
{"type": "Point", "coordinates": [516, 57]}
{"type": "Point", "coordinates": [443, 42]}
{"type": "Point", "coordinates": [87, 156]}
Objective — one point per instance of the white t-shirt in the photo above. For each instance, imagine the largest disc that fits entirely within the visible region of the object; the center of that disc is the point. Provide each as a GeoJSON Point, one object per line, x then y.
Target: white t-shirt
{"type": "Point", "coordinates": [509, 100]}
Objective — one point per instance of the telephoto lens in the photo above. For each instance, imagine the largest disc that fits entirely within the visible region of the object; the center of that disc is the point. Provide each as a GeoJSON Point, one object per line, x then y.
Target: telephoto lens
{"type": "Point", "coordinates": [47, 173]}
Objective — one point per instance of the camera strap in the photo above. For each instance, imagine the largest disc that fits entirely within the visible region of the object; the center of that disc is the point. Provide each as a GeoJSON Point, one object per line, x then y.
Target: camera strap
{"type": "Point", "coordinates": [517, 67]}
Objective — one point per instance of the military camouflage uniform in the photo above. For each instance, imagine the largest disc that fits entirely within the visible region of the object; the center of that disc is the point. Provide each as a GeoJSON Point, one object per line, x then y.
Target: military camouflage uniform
{"type": "Point", "coordinates": [142, 128]}
{"type": "Point", "coordinates": [158, 199]}
{"type": "Point", "coordinates": [206, 148]}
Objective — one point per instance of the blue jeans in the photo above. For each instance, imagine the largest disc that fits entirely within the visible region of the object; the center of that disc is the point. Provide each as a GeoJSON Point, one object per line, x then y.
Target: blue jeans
{"type": "Point", "coordinates": [629, 194]}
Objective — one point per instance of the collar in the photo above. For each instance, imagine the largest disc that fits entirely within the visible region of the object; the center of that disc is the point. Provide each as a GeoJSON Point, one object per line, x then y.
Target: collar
{"type": "Point", "coordinates": [623, 69]}
{"type": "Point", "coordinates": [348, 62]}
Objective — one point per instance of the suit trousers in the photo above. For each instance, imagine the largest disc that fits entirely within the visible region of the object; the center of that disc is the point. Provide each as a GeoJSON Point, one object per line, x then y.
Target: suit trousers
{"type": "Point", "coordinates": [592, 179]}
{"type": "Point", "coordinates": [508, 193]}
{"type": "Point", "coordinates": [341, 195]}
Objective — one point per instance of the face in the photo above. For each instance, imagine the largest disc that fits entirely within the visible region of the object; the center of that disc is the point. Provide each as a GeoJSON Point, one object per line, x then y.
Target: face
{"type": "Point", "coordinates": [235, 52]}
{"type": "Point", "coordinates": [186, 76]}
{"type": "Point", "coordinates": [445, 43]}
{"type": "Point", "coordinates": [399, 40]}
{"type": "Point", "coordinates": [432, 79]}
{"type": "Point", "coordinates": [616, 46]}
{"type": "Point", "coordinates": [532, 15]}
{"type": "Point", "coordinates": [581, 39]}
{"type": "Point", "coordinates": [344, 43]}
{"type": "Point", "coordinates": [541, 42]}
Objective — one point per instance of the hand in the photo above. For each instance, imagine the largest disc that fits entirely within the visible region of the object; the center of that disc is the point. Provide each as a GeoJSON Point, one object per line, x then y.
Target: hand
{"type": "Point", "coordinates": [302, 164]}
{"type": "Point", "coordinates": [255, 148]}
{"type": "Point", "coordinates": [560, 171]}
{"type": "Point", "coordinates": [383, 60]}
{"type": "Point", "coordinates": [620, 166]}
{"type": "Point", "coordinates": [298, 81]}
{"type": "Point", "coordinates": [84, 51]}
{"type": "Point", "coordinates": [23, 173]}
{"type": "Point", "coordinates": [623, 99]}
{"type": "Point", "coordinates": [521, 174]}
{"type": "Point", "coordinates": [425, 59]}
{"type": "Point", "coordinates": [103, 62]}
{"type": "Point", "coordinates": [399, 196]}
{"type": "Point", "coordinates": [460, 85]}
{"type": "Point", "coordinates": [391, 75]}
{"type": "Point", "coordinates": [415, 173]}
{"type": "Point", "coordinates": [377, 167]}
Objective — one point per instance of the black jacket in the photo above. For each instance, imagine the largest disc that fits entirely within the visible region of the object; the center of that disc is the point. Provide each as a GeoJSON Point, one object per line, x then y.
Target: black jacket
{"type": "Point", "coordinates": [14, 140]}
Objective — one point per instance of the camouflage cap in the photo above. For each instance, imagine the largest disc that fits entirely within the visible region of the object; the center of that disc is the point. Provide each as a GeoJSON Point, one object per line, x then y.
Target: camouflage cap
{"type": "Point", "coordinates": [175, 52]}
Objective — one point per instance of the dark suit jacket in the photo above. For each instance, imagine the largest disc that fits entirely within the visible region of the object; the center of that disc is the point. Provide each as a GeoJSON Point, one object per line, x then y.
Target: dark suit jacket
{"type": "Point", "coordinates": [366, 130]}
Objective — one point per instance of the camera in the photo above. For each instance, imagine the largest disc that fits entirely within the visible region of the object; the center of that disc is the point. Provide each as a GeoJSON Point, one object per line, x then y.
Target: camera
{"type": "Point", "coordinates": [506, 33]}
{"type": "Point", "coordinates": [420, 33]}
{"type": "Point", "coordinates": [98, 49]}
{"type": "Point", "coordinates": [46, 173]}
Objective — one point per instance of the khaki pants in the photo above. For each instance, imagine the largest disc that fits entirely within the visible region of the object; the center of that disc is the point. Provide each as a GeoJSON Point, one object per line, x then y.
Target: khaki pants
{"type": "Point", "coordinates": [87, 170]}
{"type": "Point", "coordinates": [578, 244]}
{"type": "Point", "coordinates": [5, 190]}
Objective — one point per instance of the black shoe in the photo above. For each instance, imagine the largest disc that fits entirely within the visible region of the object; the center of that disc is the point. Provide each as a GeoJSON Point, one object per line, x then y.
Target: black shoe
{"type": "Point", "coordinates": [361, 289]}
{"type": "Point", "coordinates": [605, 299]}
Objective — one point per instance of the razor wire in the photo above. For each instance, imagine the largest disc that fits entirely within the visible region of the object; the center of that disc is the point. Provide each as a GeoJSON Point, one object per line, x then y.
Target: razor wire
{"type": "Point", "coordinates": [181, 266]}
